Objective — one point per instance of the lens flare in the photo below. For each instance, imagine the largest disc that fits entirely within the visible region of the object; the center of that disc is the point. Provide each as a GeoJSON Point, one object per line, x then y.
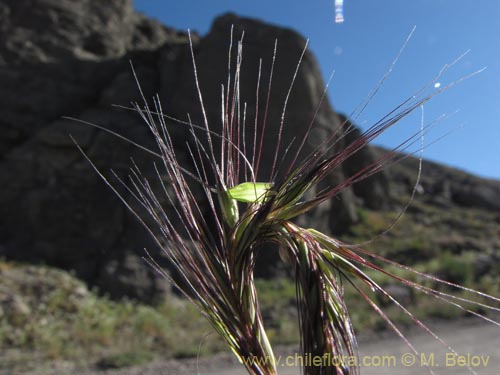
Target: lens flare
{"type": "Point", "coordinates": [339, 11]}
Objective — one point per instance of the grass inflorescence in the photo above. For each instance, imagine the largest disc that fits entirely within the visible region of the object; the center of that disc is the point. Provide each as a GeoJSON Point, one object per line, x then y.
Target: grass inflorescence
{"type": "Point", "coordinates": [213, 239]}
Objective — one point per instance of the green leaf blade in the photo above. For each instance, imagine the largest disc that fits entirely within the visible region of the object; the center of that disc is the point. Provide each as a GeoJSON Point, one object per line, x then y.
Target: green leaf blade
{"type": "Point", "coordinates": [250, 192]}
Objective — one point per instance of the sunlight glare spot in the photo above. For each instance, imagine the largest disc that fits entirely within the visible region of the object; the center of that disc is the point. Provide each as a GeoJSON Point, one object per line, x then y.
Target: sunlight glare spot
{"type": "Point", "coordinates": [437, 85]}
{"type": "Point", "coordinates": [339, 11]}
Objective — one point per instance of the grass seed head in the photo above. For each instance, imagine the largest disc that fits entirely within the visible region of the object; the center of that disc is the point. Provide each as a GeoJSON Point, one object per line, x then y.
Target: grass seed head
{"type": "Point", "coordinates": [215, 249]}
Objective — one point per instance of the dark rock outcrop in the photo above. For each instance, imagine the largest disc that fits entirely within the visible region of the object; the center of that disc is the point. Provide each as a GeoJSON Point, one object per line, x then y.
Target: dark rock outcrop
{"type": "Point", "coordinates": [374, 191]}
{"type": "Point", "coordinates": [57, 56]}
{"type": "Point", "coordinates": [444, 186]}
{"type": "Point", "coordinates": [67, 58]}
{"type": "Point", "coordinates": [72, 58]}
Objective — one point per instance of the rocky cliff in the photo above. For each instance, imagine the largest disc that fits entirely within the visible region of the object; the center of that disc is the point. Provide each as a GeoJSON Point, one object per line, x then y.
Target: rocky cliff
{"type": "Point", "coordinates": [69, 58]}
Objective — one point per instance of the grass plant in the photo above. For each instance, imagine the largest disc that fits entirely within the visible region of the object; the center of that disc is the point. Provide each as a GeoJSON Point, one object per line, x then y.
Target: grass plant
{"type": "Point", "coordinates": [214, 245]}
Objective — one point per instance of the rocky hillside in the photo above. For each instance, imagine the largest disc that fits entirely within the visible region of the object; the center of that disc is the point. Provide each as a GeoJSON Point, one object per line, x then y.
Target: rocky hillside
{"type": "Point", "coordinates": [66, 58]}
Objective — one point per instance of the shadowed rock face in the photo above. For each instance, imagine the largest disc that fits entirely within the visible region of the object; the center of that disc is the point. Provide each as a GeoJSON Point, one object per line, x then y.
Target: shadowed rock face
{"type": "Point", "coordinates": [66, 58]}
{"type": "Point", "coordinates": [43, 31]}
{"type": "Point", "coordinates": [57, 57]}
{"type": "Point", "coordinates": [72, 58]}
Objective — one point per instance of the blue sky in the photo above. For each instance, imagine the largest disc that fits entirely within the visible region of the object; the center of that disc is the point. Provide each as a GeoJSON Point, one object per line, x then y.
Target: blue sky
{"type": "Point", "coordinates": [361, 49]}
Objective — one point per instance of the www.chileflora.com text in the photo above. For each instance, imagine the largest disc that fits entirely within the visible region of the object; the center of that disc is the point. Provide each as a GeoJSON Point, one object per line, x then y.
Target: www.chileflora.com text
{"type": "Point", "coordinates": [409, 359]}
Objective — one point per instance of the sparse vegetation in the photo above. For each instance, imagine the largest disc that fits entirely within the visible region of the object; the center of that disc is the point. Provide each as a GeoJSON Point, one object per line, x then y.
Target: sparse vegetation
{"type": "Point", "coordinates": [50, 315]}
{"type": "Point", "coordinates": [47, 314]}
